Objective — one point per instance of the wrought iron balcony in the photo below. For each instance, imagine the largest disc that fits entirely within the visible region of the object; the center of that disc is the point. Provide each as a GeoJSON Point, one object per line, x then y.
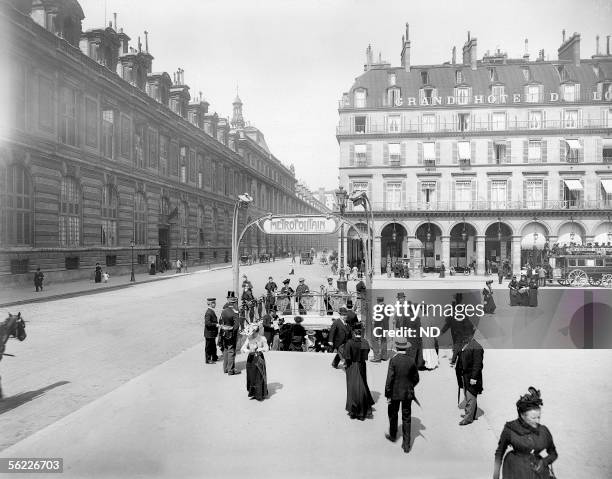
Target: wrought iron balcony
{"type": "Point", "coordinates": [492, 205]}
{"type": "Point", "coordinates": [373, 128]}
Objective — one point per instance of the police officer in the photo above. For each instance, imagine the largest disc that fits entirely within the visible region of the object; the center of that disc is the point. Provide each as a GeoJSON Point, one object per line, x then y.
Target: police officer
{"type": "Point", "coordinates": [211, 330]}
{"type": "Point", "coordinates": [229, 334]}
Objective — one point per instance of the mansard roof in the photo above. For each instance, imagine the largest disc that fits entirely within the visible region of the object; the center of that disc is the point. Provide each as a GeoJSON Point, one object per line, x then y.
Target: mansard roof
{"type": "Point", "coordinates": [510, 74]}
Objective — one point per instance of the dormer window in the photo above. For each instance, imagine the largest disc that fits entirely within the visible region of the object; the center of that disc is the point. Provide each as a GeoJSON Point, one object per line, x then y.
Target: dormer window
{"type": "Point", "coordinates": [392, 79]}
{"type": "Point", "coordinates": [562, 73]}
{"type": "Point", "coordinates": [458, 76]}
{"type": "Point", "coordinates": [360, 99]}
{"type": "Point", "coordinates": [462, 95]}
{"type": "Point", "coordinates": [393, 96]}
{"type": "Point", "coordinates": [493, 74]}
{"type": "Point", "coordinates": [571, 92]}
{"type": "Point", "coordinates": [526, 74]}
{"type": "Point", "coordinates": [532, 93]}
{"type": "Point", "coordinates": [425, 77]}
{"type": "Point", "coordinates": [497, 91]}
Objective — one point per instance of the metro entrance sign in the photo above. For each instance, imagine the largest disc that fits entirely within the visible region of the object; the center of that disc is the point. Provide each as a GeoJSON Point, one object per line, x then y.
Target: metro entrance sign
{"type": "Point", "coordinates": [310, 225]}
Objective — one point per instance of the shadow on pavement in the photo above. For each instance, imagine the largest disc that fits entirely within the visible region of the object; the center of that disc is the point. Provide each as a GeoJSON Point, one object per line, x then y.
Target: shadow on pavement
{"type": "Point", "coordinates": [273, 388]}
{"type": "Point", "coordinates": [13, 402]}
{"type": "Point", "coordinates": [415, 430]}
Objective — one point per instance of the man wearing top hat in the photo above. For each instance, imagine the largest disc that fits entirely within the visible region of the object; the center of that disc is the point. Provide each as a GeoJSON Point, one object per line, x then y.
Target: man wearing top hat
{"type": "Point", "coordinates": [402, 377]}
{"type": "Point", "coordinates": [229, 334]}
{"type": "Point", "coordinates": [300, 291]}
{"type": "Point", "coordinates": [379, 338]}
{"type": "Point", "coordinates": [211, 330]}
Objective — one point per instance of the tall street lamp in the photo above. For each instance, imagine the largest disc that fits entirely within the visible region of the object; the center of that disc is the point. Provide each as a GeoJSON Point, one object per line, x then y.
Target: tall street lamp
{"type": "Point", "coordinates": [341, 197]}
{"type": "Point", "coordinates": [361, 199]}
{"type": "Point", "coordinates": [242, 202]}
{"type": "Point", "coordinates": [185, 254]}
{"type": "Point", "coordinates": [132, 244]}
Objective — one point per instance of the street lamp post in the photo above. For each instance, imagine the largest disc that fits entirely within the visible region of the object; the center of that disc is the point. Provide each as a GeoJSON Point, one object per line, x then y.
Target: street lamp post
{"type": "Point", "coordinates": [243, 201]}
{"type": "Point", "coordinates": [185, 254]}
{"type": "Point", "coordinates": [132, 244]}
{"type": "Point", "coordinates": [341, 197]}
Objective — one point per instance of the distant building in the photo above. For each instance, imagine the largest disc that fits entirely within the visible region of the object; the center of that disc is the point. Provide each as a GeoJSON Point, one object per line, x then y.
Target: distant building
{"type": "Point", "coordinates": [482, 159]}
{"type": "Point", "coordinates": [101, 150]}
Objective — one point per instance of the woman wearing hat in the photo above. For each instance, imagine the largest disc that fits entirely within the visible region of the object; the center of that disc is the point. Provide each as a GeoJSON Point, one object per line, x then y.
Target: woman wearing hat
{"type": "Point", "coordinates": [298, 333]}
{"type": "Point", "coordinates": [533, 292]}
{"type": "Point", "coordinates": [359, 400]}
{"type": "Point", "coordinates": [286, 292]}
{"type": "Point", "coordinates": [255, 345]}
{"type": "Point", "coordinates": [528, 439]}
{"type": "Point", "coordinates": [514, 291]}
{"type": "Point", "coordinates": [487, 298]}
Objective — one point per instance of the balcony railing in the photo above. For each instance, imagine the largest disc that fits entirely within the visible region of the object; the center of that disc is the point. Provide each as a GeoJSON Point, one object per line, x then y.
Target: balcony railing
{"type": "Point", "coordinates": [492, 205]}
{"type": "Point", "coordinates": [484, 126]}
{"type": "Point", "coordinates": [607, 159]}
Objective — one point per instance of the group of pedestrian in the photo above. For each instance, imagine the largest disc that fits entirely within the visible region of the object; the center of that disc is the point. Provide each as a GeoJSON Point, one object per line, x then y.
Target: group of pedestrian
{"type": "Point", "coordinates": [523, 292]}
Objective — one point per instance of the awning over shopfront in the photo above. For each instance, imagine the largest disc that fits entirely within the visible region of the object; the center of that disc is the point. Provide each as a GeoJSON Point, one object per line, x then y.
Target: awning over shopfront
{"type": "Point", "coordinates": [465, 151]}
{"type": "Point", "coordinates": [573, 185]}
{"type": "Point", "coordinates": [607, 185]}
{"type": "Point", "coordinates": [530, 241]}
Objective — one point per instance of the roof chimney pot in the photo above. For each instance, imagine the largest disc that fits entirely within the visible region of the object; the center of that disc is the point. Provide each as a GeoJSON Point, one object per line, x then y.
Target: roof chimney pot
{"type": "Point", "coordinates": [454, 55]}
{"type": "Point", "coordinates": [146, 34]}
{"type": "Point", "coordinates": [563, 34]}
{"type": "Point", "coordinates": [608, 45]}
{"type": "Point", "coordinates": [115, 17]}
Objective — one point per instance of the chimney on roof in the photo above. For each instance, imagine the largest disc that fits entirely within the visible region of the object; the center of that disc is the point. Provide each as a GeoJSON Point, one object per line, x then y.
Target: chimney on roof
{"type": "Point", "coordinates": [541, 55]}
{"type": "Point", "coordinates": [146, 41]}
{"type": "Point", "coordinates": [596, 44]}
{"type": "Point", "coordinates": [454, 57]}
{"type": "Point", "coordinates": [469, 52]}
{"type": "Point", "coordinates": [115, 17]}
{"type": "Point", "coordinates": [139, 45]}
{"type": "Point", "coordinates": [368, 64]}
{"type": "Point", "coordinates": [563, 35]}
{"type": "Point", "coordinates": [405, 56]}
{"type": "Point", "coordinates": [608, 45]}
{"type": "Point", "coordinates": [526, 54]}
{"type": "Point", "coordinates": [570, 50]}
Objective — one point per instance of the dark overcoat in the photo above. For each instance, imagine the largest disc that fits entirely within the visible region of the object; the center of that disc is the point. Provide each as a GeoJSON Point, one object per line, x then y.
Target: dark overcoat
{"type": "Point", "coordinates": [211, 324]}
{"type": "Point", "coordinates": [469, 366]}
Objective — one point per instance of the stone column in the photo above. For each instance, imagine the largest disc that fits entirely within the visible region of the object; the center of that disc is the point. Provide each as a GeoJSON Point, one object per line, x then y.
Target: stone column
{"type": "Point", "coordinates": [516, 255]}
{"type": "Point", "coordinates": [377, 264]}
{"type": "Point", "coordinates": [480, 255]}
{"type": "Point", "coordinates": [446, 251]}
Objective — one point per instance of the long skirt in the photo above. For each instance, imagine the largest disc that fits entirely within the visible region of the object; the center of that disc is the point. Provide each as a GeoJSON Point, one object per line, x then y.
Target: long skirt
{"type": "Point", "coordinates": [517, 466]}
{"type": "Point", "coordinates": [359, 400]}
{"type": "Point", "coordinates": [533, 297]}
{"type": "Point", "coordinates": [489, 305]}
{"type": "Point", "coordinates": [256, 376]}
{"type": "Point", "coordinates": [430, 357]}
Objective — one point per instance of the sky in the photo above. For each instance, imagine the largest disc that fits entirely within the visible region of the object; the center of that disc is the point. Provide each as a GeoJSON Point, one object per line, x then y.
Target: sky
{"type": "Point", "coordinates": [292, 60]}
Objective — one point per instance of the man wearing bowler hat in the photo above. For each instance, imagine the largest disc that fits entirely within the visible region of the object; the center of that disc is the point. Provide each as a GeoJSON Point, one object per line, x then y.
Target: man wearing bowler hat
{"type": "Point", "coordinates": [229, 334]}
{"type": "Point", "coordinates": [402, 377]}
{"type": "Point", "coordinates": [211, 330]}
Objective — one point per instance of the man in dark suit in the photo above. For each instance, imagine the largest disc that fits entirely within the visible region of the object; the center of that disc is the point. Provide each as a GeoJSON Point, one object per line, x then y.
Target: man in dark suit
{"type": "Point", "coordinates": [229, 334]}
{"type": "Point", "coordinates": [379, 338]}
{"type": "Point", "coordinates": [339, 334]}
{"type": "Point", "coordinates": [469, 376]}
{"type": "Point", "coordinates": [402, 377]}
{"type": "Point", "coordinates": [211, 330]}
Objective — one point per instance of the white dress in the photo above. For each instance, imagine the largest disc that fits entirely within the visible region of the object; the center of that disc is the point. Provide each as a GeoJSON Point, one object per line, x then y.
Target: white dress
{"type": "Point", "coordinates": [430, 357]}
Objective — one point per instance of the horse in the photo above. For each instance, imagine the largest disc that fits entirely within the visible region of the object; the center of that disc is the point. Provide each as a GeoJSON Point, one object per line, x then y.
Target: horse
{"type": "Point", "coordinates": [13, 326]}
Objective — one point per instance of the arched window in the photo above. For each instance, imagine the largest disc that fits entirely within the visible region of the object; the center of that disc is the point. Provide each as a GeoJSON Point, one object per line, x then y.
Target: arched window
{"type": "Point", "coordinates": [140, 219]}
{"type": "Point", "coordinates": [108, 229]}
{"type": "Point", "coordinates": [70, 213]}
{"type": "Point", "coordinates": [200, 225]}
{"type": "Point", "coordinates": [16, 204]}
{"type": "Point", "coordinates": [184, 221]}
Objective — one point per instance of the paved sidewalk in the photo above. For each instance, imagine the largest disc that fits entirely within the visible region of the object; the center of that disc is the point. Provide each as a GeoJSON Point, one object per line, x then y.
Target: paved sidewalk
{"type": "Point", "coordinates": [26, 294]}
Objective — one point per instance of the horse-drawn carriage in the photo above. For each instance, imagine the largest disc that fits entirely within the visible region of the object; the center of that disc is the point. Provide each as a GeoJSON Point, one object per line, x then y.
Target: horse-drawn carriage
{"type": "Point", "coordinates": [306, 257]}
{"type": "Point", "coordinates": [583, 265]}
{"type": "Point", "coordinates": [12, 327]}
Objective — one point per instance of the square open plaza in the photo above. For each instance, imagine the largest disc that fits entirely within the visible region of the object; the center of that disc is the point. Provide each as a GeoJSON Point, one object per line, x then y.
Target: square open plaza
{"type": "Point", "coordinates": [179, 303]}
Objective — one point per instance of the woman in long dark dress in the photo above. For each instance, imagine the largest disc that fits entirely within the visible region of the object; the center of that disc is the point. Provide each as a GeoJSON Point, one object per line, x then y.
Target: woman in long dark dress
{"type": "Point", "coordinates": [528, 439]}
{"type": "Point", "coordinates": [487, 298]}
{"type": "Point", "coordinates": [98, 273]}
{"type": "Point", "coordinates": [533, 292]}
{"type": "Point", "coordinates": [514, 291]}
{"type": "Point", "coordinates": [359, 400]}
{"type": "Point", "coordinates": [257, 377]}
{"type": "Point", "coordinates": [523, 291]}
